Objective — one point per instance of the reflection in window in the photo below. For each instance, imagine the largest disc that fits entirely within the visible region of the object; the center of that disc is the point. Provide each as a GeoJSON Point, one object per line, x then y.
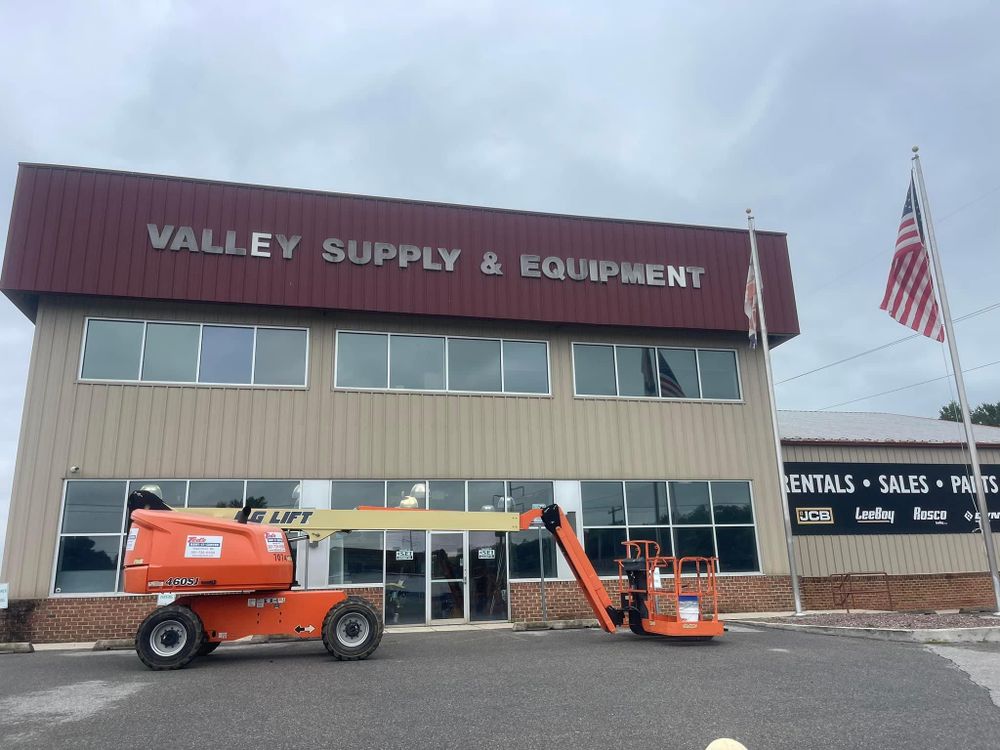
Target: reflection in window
{"type": "Point", "coordinates": [594, 370]}
{"type": "Point", "coordinates": [689, 502]}
{"type": "Point", "coordinates": [637, 374]}
{"type": "Point", "coordinates": [647, 503]}
{"type": "Point", "coordinates": [409, 362]}
{"type": "Point", "coordinates": [474, 365]}
{"type": "Point", "coordinates": [487, 496]}
{"type": "Point", "coordinates": [94, 507]}
{"type": "Point", "coordinates": [737, 549]}
{"type": "Point", "coordinates": [87, 564]}
{"type": "Point", "coordinates": [409, 493]}
{"type": "Point", "coordinates": [670, 373]}
{"type": "Point", "coordinates": [171, 352]}
{"type": "Point", "coordinates": [718, 374]}
{"type": "Point", "coordinates": [171, 491]}
{"type": "Point", "coordinates": [273, 493]}
{"type": "Point", "coordinates": [678, 373]}
{"type": "Point", "coordinates": [355, 557]}
{"type": "Point", "coordinates": [405, 577]}
{"type": "Point", "coordinates": [226, 355]}
{"type": "Point", "coordinates": [731, 502]}
{"type": "Point", "coordinates": [215, 493]}
{"type": "Point", "coordinates": [280, 357]}
{"type": "Point", "coordinates": [416, 363]}
{"type": "Point", "coordinates": [604, 547]}
{"type": "Point", "coordinates": [162, 352]}
{"type": "Point", "coordinates": [526, 560]}
{"type": "Point", "coordinates": [362, 360]}
{"type": "Point", "coordinates": [693, 542]}
{"type": "Point", "coordinates": [446, 496]}
{"type": "Point", "coordinates": [525, 367]}
{"type": "Point", "coordinates": [112, 350]}
{"type": "Point", "coordinates": [603, 503]}
{"type": "Point", "coordinates": [349, 495]}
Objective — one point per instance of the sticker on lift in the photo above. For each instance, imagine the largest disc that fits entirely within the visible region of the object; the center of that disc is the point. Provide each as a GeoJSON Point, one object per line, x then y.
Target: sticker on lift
{"type": "Point", "coordinates": [262, 601]}
{"type": "Point", "coordinates": [203, 546]}
{"type": "Point", "coordinates": [487, 553]}
{"type": "Point", "coordinates": [404, 554]}
{"type": "Point", "coordinates": [133, 534]}
{"type": "Point", "coordinates": [687, 609]}
{"type": "Point", "coordinates": [275, 541]}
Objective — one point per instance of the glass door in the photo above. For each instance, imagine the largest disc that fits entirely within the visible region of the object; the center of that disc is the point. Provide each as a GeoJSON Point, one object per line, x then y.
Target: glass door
{"type": "Point", "coordinates": [447, 583]}
{"type": "Point", "coordinates": [405, 577]}
{"type": "Point", "coordinates": [487, 576]}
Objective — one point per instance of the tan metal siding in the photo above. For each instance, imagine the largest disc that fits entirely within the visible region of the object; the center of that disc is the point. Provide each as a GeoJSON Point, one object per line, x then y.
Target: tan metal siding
{"type": "Point", "coordinates": [893, 553]}
{"type": "Point", "coordinates": [159, 431]}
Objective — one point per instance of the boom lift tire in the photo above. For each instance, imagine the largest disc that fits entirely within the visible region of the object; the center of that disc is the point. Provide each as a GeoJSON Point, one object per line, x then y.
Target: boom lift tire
{"type": "Point", "coordinates": [169, 637]}
{"type": "Point", "coordinates": [352, 629]}
{"type": "Point", "coordinates": [208, 647]}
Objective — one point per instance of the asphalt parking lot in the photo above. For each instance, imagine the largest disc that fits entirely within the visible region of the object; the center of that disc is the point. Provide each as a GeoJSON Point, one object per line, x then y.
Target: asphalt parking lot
{"type": "Point", "coordinates": [499, 689]}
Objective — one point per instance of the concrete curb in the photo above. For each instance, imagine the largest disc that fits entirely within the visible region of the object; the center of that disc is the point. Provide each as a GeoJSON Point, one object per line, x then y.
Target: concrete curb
{"type": "Point", "coordinates": [16, 648]}
{"type": "Point", "coordinates": [920, 635]}
{"type": "Point", "coordinates": [114, 644]}
{"type": "Point", "coordinates": [520, 627]}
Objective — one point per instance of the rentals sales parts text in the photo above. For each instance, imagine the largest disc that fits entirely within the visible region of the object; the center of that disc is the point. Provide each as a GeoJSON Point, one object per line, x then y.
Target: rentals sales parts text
{"type": "Point", "coordinates": [427, 258]}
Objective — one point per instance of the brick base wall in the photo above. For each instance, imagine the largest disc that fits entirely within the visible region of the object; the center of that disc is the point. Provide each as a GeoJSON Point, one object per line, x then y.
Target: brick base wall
{"type": "Point", "coordinates": [564, 601]}
{"type": "Point", "coordinates": [62, 620]}
{"type": "Point", "coordinates": [932, 591]}
{"type": "Point", "coordinates": [91, 619]}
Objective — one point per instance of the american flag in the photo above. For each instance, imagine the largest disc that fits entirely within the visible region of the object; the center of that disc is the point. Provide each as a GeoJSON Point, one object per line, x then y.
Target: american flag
{"type": "Point", "coordinates": [670, 386]}
{"type": "Point", "coordinates": [750, 306]}
{"type": "Point", "coordinates": [909, 293]}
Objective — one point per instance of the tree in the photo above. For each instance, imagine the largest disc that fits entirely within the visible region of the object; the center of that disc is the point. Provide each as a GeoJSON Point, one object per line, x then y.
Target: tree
{"type": "Point", "coordinates": [985, 413]}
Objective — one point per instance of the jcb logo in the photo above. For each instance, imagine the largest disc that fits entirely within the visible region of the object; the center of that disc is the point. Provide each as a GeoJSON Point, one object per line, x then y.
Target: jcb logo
{"type": "Point", "coordinates": [814, 515]}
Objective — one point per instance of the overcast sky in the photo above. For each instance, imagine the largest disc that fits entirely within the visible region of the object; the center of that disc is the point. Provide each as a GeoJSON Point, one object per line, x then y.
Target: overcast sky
{"type": "Point", "coordinates": [680, 112]}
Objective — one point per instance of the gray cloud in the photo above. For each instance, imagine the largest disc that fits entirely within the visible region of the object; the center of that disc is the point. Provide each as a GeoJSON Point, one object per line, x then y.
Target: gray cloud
{"type": "Point", "coordinates": [684, 113]}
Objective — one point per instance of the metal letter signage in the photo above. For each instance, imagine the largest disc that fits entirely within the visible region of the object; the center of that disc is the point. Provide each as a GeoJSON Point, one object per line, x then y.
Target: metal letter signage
{"type": "Point", "coordinates": [827, 498]}
{"type": "Point", "coordinates": [334, 250]}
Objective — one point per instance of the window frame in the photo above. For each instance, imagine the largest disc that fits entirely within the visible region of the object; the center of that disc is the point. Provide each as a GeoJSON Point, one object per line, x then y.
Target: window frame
{"type": "Point", "coordinates": [447, 390]}
{"type": "Point", "coordinates": [121, 533]}
{"type": "Point", "coordinates": [196, 383]}
{"type": "Point", "coordinates": [671, 526]}
{"type": "Point", "coordinates": [696, 349]}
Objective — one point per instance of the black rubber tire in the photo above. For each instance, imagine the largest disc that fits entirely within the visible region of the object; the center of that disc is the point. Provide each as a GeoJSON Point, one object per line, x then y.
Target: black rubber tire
{"type": "Point", "coordinates": [208, 647]}
{"type": "Point", "coordinates": [193, 630]}
{"type": "Point", "coordinates": [353, 605]}
{"type": "Point", "coordinates": [635, 625]}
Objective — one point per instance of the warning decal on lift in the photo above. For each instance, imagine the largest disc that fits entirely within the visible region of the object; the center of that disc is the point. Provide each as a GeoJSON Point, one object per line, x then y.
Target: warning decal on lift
{"type": "Point", "coordinates": [203, 546]}
{"type": "Point", "coordinates": [275, 541]}
{"type": "Point", "coordinates": [133, 534]}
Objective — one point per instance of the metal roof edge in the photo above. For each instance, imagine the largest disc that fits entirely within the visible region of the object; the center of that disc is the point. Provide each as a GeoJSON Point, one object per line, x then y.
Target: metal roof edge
{"type": "Point", "coordinates": [411, 201]}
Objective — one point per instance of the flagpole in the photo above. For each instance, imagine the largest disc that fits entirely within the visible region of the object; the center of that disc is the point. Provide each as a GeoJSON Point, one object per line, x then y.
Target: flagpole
{"type": "Point", "coordinates": [963, 400]}
{"type": "Point", "coordinates": [780, 465]}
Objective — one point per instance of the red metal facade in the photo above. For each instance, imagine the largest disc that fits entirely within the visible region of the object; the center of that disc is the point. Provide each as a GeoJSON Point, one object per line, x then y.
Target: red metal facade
{"type": "Point", "coordinates": [84, 231]}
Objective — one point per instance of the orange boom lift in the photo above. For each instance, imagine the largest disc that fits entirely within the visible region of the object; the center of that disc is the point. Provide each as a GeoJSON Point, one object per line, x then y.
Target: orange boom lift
{"type": "Point", "coordinates": [234, 577]}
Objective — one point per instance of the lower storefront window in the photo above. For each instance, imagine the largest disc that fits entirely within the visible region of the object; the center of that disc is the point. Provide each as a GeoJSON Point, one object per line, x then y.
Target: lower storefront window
{"type": "Point", "coordinates": [355, 558]}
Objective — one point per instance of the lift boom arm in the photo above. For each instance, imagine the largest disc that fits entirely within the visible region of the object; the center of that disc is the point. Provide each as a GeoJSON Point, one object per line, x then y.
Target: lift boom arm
{"type": "Point", "coordinates": [597, 597]}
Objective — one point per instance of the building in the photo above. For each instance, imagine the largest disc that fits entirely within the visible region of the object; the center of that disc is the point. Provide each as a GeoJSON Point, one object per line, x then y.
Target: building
{"type": "Point", "coordinates": [231, 342]}
{"type": "Point", "coordinates": [891, 494]}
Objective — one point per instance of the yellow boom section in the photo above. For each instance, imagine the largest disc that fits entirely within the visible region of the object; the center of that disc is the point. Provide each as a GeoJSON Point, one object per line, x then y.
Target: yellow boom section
{"type": "Point", "coordinates": [319, 524]}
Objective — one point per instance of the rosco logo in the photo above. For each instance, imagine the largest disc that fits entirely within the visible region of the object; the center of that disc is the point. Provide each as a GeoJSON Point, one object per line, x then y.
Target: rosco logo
{"type": "Point", "coordinates": [806, 516]}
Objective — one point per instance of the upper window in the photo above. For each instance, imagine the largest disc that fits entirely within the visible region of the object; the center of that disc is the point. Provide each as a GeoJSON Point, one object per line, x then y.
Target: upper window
{"type": "Point", "coordinates": [155, 352]}
{"type": "Point", "coordinates": [655, 372]}
{"type": "Point", "coordinates": [441, 363]}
